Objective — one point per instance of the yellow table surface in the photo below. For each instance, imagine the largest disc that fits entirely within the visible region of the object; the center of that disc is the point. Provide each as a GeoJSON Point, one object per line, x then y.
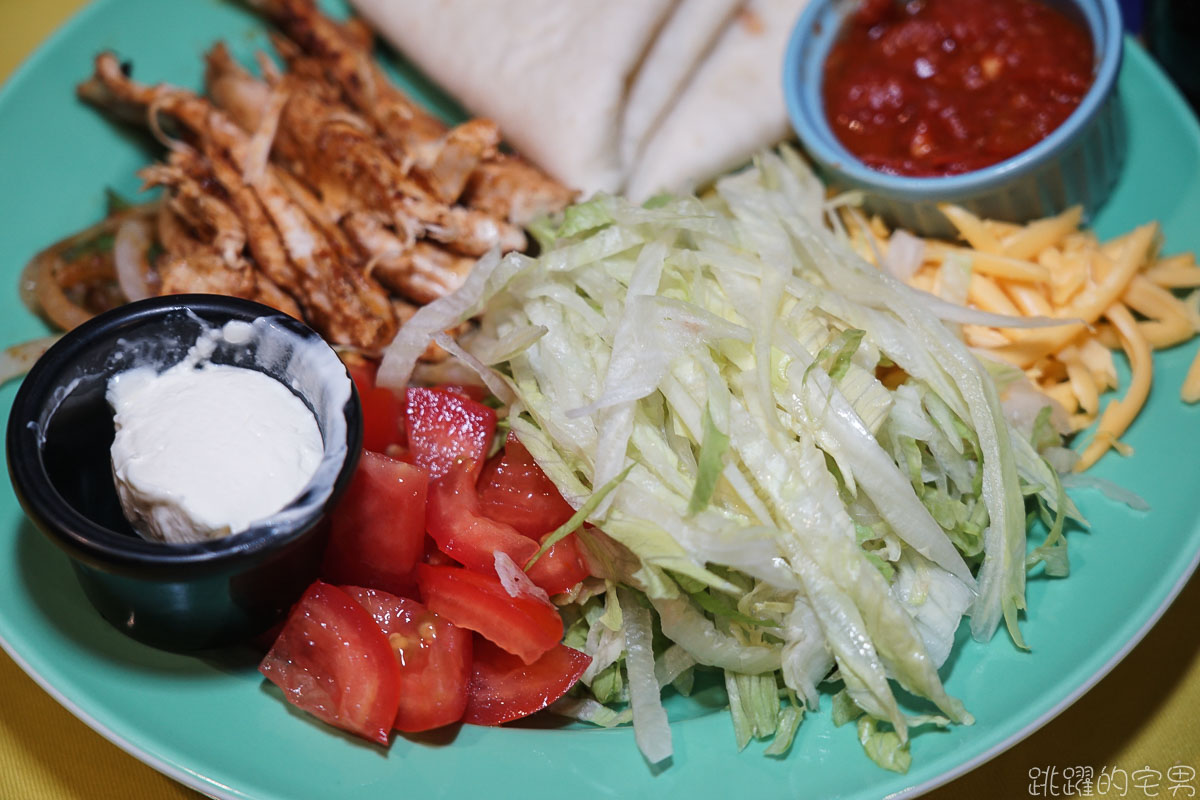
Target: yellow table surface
{"type": "Point", "coordinates": [1145, 714]}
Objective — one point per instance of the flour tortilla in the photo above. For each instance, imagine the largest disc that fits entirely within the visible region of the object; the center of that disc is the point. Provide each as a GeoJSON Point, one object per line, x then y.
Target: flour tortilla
{"type": "Point", "coordinates": [638, 96]}
{"type": "Point", "coordinates": [553, 74]}
{"type": "Point", "coordinates": [732, 107]}
{"type": "Point", "coordinates": [685, 40]}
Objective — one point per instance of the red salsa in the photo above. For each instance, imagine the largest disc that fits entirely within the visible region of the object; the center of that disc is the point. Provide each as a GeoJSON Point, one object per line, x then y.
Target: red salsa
{"type": "Point", "coordinates": [943, 87]}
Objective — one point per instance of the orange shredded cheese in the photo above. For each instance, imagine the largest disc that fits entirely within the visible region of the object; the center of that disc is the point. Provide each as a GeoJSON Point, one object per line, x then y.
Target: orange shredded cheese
{"type": "Point", "coordinates": [1119, 294]}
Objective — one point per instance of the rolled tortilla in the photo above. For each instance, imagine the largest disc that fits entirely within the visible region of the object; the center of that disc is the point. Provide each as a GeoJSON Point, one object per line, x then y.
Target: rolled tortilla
{"type": "Point", "coordinates": [732, 107]}
{"type": "Point", "coordinates": [553, 74]}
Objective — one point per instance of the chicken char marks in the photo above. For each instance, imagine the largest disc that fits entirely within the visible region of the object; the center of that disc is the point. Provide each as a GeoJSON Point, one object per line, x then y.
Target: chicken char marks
{"type": "Point", "coordinates": [336, 297]}
{"type": "Point", "coordinates": [446, 161]}
{"type": "Point", "coordinates": [320, 188]}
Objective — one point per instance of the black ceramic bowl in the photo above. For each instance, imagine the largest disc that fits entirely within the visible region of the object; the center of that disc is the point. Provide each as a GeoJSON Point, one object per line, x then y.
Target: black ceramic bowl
{"type": "Point", "coordinates": [176, 596]}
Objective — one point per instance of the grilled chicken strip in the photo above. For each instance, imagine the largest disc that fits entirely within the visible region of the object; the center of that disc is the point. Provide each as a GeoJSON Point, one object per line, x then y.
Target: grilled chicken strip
{"type": "Point", "coordinates": [194, 223]}
{"type": "Point", "coordinates": [201, 209]}
{"type": "Point", "coordinates": [340, 301]}
{"type": "Point", "coordinates": [510, 188]}
{"type": "Point", "coordinates": [329, 146]}
{"type": "Point", "coordinates": [415, 136]}
{"type": "Point", "coordinates": [189, 265]}
{"type": "Point", "coordinates": [421, 272]}
{"type": "Point", "coordinates": [262, 239]}
{"type": "Point", "coordinates": [401, 121]}
{"type": "Point", "coordinates": [461, 151]}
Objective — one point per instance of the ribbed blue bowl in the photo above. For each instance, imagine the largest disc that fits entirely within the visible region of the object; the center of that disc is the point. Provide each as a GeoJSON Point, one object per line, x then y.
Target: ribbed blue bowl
{"type": "Point", "coordinates": [1077, 164]}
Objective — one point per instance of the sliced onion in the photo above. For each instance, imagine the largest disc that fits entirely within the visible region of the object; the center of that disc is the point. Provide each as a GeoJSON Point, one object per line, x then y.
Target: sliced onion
{"type": "Point", "coordinates": [49, 296]}
{"type": "Point", "coordinates": [19, 359]}
{"type": "Point", "coordinates": [27, 285]}
{"type": "Point", "coordinates": [131, 249]}
{"type": "Point", "coordinates": [40, 289]}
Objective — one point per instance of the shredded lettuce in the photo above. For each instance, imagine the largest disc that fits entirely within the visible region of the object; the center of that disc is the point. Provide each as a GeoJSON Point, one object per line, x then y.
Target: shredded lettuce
{"type": "Point", "coordinates": [709, 464]}
{"type": "Point", "coordinates": [787, 469]}
{"type": "Point", "coordinates": [585, 709]}
{"type": "Point", "coordinates": [754, 705]}
{"type": "Point", "coordinates": [885, 747]}
{"type": "Point", "coordinates": [785, 730]}
{"type": "Point", "coordinates": [651, 729]}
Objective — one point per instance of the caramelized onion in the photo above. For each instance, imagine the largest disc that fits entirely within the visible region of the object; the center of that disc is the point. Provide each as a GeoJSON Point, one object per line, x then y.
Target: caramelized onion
{"type": "Point", "coordinates": [131, 257]}
{"type": "Point", "coordinates": [18, 359]}
{"type": "Point", "coordinates": [45, 279]}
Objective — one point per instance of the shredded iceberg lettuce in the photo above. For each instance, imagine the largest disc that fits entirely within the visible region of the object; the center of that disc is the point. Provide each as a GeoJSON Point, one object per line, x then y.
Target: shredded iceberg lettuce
{"type": "Point", "coordinates": [790, 466]}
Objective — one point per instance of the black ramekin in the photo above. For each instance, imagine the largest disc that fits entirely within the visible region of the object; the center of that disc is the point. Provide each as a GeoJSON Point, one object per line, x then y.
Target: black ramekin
{"type": "Point", "coordinates": [175, 596]}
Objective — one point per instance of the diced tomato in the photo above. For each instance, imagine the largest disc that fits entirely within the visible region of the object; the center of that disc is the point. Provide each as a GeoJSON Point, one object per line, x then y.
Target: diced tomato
{"type": "Point", "coordinates": [378, 528]}
{"type": "Point", "coordinates": [382, 410]}
{"type": "Point", "coordinates": [444, 427]}
{"type": "Point", "coordinates": [560, 567]}
{"type": "Point", "coordinates": [454, 520]}
{"type": "Point", "coordinates": [400, 453]}
{"type": "Point", "coordinates": [332, 660]}
{"type": "Point", "coordinates": [524, 625]}
{"type": "Point", "coordinates": [435, 556]}
{"type": "Point", "coordinates": [434, 657]}
{"type": "Point", "coordinates": [514, 490]}
{"type": "Point", "coordinates": [504, 688]}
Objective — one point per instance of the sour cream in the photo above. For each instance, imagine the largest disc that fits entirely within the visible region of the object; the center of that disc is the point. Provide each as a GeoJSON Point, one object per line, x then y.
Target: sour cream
{"type": "Point", "coordinates": [204, 450]}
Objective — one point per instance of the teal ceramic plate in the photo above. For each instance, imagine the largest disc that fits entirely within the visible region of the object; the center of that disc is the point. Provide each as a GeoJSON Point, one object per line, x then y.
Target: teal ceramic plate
{"type": "Point", "coordinates": [213, 724]}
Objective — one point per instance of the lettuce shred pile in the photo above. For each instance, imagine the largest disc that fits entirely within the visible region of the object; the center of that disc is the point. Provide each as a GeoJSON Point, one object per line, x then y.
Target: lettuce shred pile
{"type": "Point", "coordinates": [793, 472]}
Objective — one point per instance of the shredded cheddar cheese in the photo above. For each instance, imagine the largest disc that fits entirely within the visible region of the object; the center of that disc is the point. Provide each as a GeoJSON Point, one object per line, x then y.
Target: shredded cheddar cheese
{"type": "Point", "coordinates": [1120, 295]}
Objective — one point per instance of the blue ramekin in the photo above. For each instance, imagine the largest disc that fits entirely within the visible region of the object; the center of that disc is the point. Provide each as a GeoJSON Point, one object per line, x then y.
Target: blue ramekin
{"type": "Point", "coordinates": [1077, 164]}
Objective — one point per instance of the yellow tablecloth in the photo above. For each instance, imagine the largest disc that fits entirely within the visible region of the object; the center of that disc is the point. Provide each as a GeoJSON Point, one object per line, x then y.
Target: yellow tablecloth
{"type": "Point", "coordinates": [1145, 715]}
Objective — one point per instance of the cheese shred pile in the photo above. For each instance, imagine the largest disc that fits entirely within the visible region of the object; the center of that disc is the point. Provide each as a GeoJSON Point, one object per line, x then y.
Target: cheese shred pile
{"type": "Point", "coordinates": [1120, 295]}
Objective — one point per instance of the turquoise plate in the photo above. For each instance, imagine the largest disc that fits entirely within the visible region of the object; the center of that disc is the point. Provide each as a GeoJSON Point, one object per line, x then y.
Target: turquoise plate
{"type": "Point", "coordinates": [213, 725]}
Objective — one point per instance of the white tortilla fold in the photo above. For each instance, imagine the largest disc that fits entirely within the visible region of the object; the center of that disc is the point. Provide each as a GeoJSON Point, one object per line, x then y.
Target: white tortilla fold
{"type": "Point", "coordinates": [552, 73]}
{"type": "Point", "coordinates": [732, 107]}
{"type": "Point", "coordinates": [632, 96]}
{"type": "Point", "coordinates": [684, 42]}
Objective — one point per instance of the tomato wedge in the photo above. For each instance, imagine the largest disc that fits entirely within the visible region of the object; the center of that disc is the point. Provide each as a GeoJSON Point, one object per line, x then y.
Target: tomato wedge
{"type": "Point", "coordinates": [454, 520]}
{"type": "Point", "coordinates": [444, 427]}
{"type": "Point", "coordinates": [524, 625]}
{"type": "Point", "coordinates": [382, 411]}
{"type": "Point", "coordinates": [504, 688]}
{"type": "Point", "coordinates": [434, 657]}
{"type": "Point", "coordinates": [560, 567]}
{"type": "Point", "coordinates": [378, 529]}
{"type": "Point", "coordinates": [332, 660]}
{"type": "Point", "coordinates": [514, 490]}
